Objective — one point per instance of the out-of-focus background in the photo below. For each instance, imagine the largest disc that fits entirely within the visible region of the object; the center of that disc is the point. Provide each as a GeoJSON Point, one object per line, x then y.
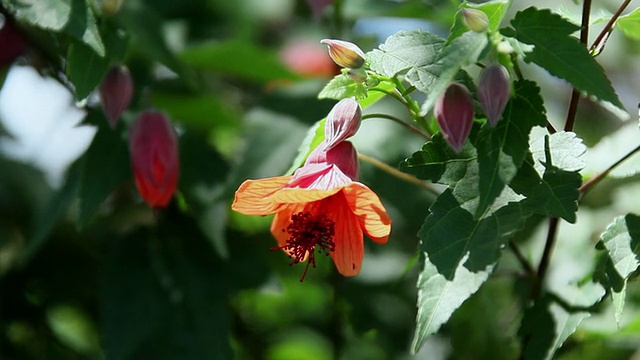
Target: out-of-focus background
{"type": "Point", "coordinates": [89, 271]}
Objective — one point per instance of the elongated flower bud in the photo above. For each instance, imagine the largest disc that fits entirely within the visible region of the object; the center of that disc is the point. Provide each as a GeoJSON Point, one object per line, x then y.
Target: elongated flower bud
{"type": "Point", "coordinates": [474, 19]}
{"type": "Point", "coordinates": [454, 112]}
{"type": "Point", "coordinates": [494, 91]}
{"type": "Point", "coordinates": [12, 43]}
{"type": "Point", "coordinates": [342, 122]}
{"type": "Point", "coordinates": [116, 91]}
{"type": "Point", "coordinates": [343, 155]}
{"type": "Point", "coordinates": [344, 53]}
{"type": "Point", "coordinates": [153, 148]}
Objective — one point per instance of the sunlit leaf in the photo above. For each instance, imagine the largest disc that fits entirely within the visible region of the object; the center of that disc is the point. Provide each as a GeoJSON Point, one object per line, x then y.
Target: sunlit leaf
{"type": "Point", "coordinates": [52, 15]}
{"type": "Point", "coordinates": [560, 53]}
{"type": "Point", "coordinates": [495, 11]}
{"type": "Point", "coordinates": [566, 149]}
{"type": "Point", "coordinates": [341, 87]}
{"type": "Point", "coordinates": [621, 241]}
{"type": "Point", "coordinates": [82, 25]}
{"type": "Point", "coordinates": [630, 24]}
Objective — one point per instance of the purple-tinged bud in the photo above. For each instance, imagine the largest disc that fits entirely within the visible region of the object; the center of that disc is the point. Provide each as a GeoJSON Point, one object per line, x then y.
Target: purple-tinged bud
{"type": "Point", "coordinates": [153, 148]}
{"type": "Point", "coordinates": [317, 7]}
{"type": "Point", "coordinates": [12, 42]}
{"type": "Point", "coordinates": [344, 53]}
{"type": "Point", "coordinates": [454, 112]}
{"type": "Point", "coordinates": [116, 91]}
{"type": "Point", "coordinates": [494, 91]}
{"type": "Point", "coordinates": [474, 19]}
{"type": "Point", "coordinates": [342, 122]}
{"type": "Point", "coordinates": [344, 156]}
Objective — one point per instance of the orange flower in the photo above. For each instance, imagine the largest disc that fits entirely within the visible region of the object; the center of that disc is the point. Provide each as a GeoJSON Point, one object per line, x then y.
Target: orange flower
{"type": "Point", "coordinates": [320, 208]}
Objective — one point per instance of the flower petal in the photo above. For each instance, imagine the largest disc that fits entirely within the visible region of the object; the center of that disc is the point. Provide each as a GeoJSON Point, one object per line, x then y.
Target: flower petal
{"type": "Point", "coordinates": [301, 195]}
{"type": "Point", "coordinates": [370, 212]}
{"type": "Point", "coordinates": [255, 197]}
{"type": "Point", "coordinates": [348, 235]}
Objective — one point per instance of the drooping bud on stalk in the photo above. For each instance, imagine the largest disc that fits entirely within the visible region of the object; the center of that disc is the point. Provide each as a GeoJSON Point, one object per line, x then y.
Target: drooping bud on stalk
{"type": "Point", "coordinates": [116, 91]}
{"type": "Point", "coordinates": [474, 19]}
{"type": "Point", "coordinates": [343, 155]}
{"type": "Point", "coordinates": [12, 43]}
{"type": "Point", "coordinates": [153, 148]}
{"type": "Point", "coordinates": [494, 91]}
{"type": "Point", "coordinates": [454, 112]}
{"type": "Point", "coordinates": [344, 53]}
{"type": "Point", "coordinates": [342, 122]}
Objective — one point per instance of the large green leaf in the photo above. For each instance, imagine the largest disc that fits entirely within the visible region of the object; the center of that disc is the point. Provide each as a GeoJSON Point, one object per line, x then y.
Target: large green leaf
{"type": "Point", "coordinates": [560, 53]}
{"type": "Point", "coordinates": [49, 15]}
{"type": "Point", "coordinates": [501, 151]}
{"type": "Point", "coordinates": [549, 323]}
{"type": "Point", "coordinates": [630, 24]}
{"type": "Point", "coordinates": [459, 254]}
{"type": "Point", "coordinates": [85, 69]}
{"type": "Point", "coordinates": [237, 58]}
{"type": "Point", "coordinates": [82, 25]}
{"type": "Point", "coordinates": [621, 241]}
{"type": "Point", "coordinates": [105, 165]}
{"type": "Point", "coordinates": [341, 87]}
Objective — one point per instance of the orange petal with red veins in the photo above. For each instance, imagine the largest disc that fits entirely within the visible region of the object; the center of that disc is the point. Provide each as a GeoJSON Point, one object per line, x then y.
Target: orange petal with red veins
{"type": "Point", "coordinates": [282, 220]}
{"type": "Point", "coordinates": [348, 235]}
{"type": "Point", "coordinates": [299, 195]}
{"type": "Point", "coordinates": [254, 197]}
{"type": "Point", "coordinates": [371, 214]}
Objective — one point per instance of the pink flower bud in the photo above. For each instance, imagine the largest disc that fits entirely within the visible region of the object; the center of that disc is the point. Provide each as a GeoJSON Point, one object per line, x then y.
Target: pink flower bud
{"type": "Point", "coordinates": [344, 53]}
{"type": "Point", "coordinates": [494, 91]}
{"type": "Point", "coordinates": [12, 43]}
{"type": "Point", "coordinates": [153, 148]}
{"type": "Point", "coordinates": [474, 19]}
{"type": "Point", "coordinates": [342, 122]}
{"type": "Point", "coordinates": [454, 112]}
{"type": "Point", "coordinates": [116, 91]}
{"type": "Point", "coordinates": [343, 155]}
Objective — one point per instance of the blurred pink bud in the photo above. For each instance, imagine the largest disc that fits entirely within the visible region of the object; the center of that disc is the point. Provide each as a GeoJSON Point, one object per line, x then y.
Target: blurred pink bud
{"type": "Point", "coordinates": [344, 53]}
{"type": "Point", "coordinates": [494, 91]}
{"type": "Point", "coordinates": [116, 91]}
{"type": "Point", "coordinates": [153, 148]}
{"type": "Point", "coordinates": [12, 43]}
{"type": "Point", "coordinates": [342, 122]}
{"type": "Point", "coordinates": [474, 19]}
{"type": "Point", "coordinates": [454, 112]}
{"type": "Point", "coordinates": [308, 58]}
{"type": "Point", "coordinates": [317, 6]}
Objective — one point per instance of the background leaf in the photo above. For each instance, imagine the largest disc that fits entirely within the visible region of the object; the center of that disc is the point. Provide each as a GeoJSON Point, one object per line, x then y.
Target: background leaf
{"type": "Point", "coordinates": [630, 24]}
{"type": "Point", "coordinates": [559, 53]}
{"type": "Point", "coordinates": [52, 15]}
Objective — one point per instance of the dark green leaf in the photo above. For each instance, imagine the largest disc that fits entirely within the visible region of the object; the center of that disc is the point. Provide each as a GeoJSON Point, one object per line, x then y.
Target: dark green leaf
{"type": "Point", "coordinates": [460, 252]}
{"type": "Point", "coordinates": [561, 54]}
{"type": "Point", "coordinates": [237, 58]}
{"type": "Point", "coordinates": [501, 151]}
{"type": "Point", "coordinates": [82, 25]}
{"type": "Point", "coordinates": [49, 15]}
{"type": "Point", "coordinates": [85, 69]}
{"type": "Point", "coordinates": [105, 166]}
{"type": "Point", "coordinates": [548, 324]}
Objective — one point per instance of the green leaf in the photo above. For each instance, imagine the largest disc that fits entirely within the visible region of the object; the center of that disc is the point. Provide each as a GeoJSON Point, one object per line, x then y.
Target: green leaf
{"type": "Point", "coordinates": [561, 54]}
{"type": "Point", "coordinates": [48, 15]}
{"type": "Point", "coordinates": [459, 253]}
{"type": "Point", "coordinates": [82, 25]}
{"type": "Point", "coordinates": [105, 165]}
{"type": "Point", "coordinates": [85, 69]}
{"type": "Point", "coordinates": [145, 26]}
{"type": "Point", "coordinates": [405, 53]}
{"type": "Point", "coordinates": [551, 320]}
{"type": "Point", "coordinates": [621, 241]}
{"type": "Point", "coordinates": [495, 11]}
{"type": "Point", "coordinates": [424, 60]}
{"type": "Point", "coordinates": [630, 24]}
{"type": "Point", "coordinates": [237, 58]}
{"type": "Point", "coordinates": [501, 151]}
{"type": "Point", "coordinates": [341, 87]}
{"type": "Point", "coordinates": [565, 148]}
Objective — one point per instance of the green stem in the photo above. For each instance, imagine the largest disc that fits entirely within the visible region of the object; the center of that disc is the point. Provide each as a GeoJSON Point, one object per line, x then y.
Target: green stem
{"type": "Point", "coordinates": [397, 173]}
{"type": "Point", "coordinates": [399, 121]}
{"type": "Point", "coordinates": [596, 179]}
